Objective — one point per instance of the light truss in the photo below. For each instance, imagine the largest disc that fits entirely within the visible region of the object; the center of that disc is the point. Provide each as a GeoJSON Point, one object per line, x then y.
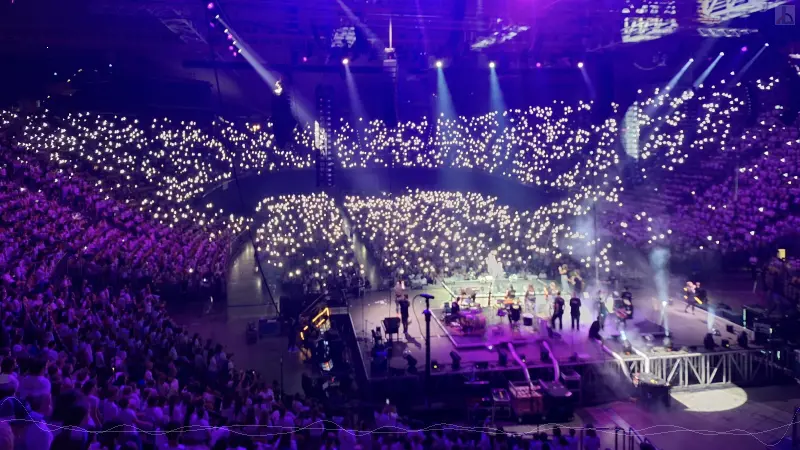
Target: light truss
{"type": "Point", "coordinates": [725, 32]}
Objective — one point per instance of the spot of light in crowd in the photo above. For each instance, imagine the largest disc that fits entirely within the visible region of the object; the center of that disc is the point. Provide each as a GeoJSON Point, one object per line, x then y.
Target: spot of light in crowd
{"type": "Point", "coordinates": [721, 53]}
{"type": "Point", "coordinates": [492, 65]}
{"type": "Point", "coordinates": [210, 5]}
{"type": "Point", "coordinates": [439, 64]}
{"type": "Point", "coordinates": [346, 61]}
{"type": "Point", "coordinates": [580, 65]}
{"type": "Point", "coordinates": [305, 59]}
{"type": "Point", "coordinates": [538, 65]}
{"type": "Point", "coordinates": [744, 49]}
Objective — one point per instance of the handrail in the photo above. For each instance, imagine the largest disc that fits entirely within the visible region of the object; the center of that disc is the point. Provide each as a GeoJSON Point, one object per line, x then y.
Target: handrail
{"type": "Point", "coordinates": [635, 434]}
{"type": "Point", "coordinates": [312, 304]}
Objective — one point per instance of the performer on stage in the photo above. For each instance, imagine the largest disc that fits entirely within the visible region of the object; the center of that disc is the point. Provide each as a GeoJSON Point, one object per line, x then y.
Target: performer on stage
{"type": "Point", "coordinates": [402, 305]}
{"type": "Point", "coordinates": [578, 284]}
{"type": "Point", "coordinates": [511, 293]}
{"type": "Point", "coordinates": [562, 271]}
{"type": "Point", "coordinates": [530, 300]}
{"type": "Point", "coordinates": [455, 311]}
{"type": "Point", "coordinates": [575, 312]}
{"type": "Point", "coordinates": [689, 295]}
{"type": "Point", "coordinates": [624, 308]}
{"type": "Point", "coordinates": [558, 312]}
{"type": "Point", "coordinates": [602, 310]}
{"type": "Point", "coordinates": [594, 331]}
{"type": "Point", "coordinates": [399, 288]}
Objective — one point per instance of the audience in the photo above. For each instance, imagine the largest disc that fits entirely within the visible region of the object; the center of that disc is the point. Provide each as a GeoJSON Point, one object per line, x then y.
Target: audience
{"type": "Point", "coordinates": [99, 232]}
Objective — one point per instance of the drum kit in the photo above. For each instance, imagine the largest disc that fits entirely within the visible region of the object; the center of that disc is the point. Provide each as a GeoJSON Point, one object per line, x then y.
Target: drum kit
{"type": "Point", "coordinates": [472, 320]}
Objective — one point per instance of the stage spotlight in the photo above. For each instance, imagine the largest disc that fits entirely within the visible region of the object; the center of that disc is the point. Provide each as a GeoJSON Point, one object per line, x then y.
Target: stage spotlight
{"type": "Point", "coordinates": [725, 343]}
{"type": "Point", "coordinates": [538, 65]}
{"type": "Point", "coordinates": [456, 358]}
{"type": "Point", "coordinates": [580, 65]}
{"type": "Point", "coordinates": [691, 59]}
{"type": "Point", "coordinates": [721, 53]}
{"type": "Point", "coordinates": [210, 5]}
{"type": "Point", "coordinates": [439, 64]}
{"type": "Point", "coordinates": [492, 65]}
{"type": "Point", "coordinates": [305, 59]}
{"type": "Point", "coordinates": [766, 44]}
{"type": "Point", "coordinates": [346, 61]}
{"type": "Point", "coordinates": [742, 340]}
{"type": "Point", "coordinates": [744, 49]}
{"type": "Point", "coordinates": [434, 364]}
{"type": "Point", "coordinates": [708, 342]}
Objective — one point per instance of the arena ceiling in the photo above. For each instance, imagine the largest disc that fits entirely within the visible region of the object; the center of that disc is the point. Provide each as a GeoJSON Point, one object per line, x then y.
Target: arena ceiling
{"type": "Point", "coordinates": [172, 39]}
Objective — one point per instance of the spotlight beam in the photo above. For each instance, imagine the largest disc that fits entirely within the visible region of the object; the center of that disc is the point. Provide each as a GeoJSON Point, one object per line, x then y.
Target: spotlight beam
{"type": "Point", "coordinates": [708, 70]}
{"type": "Point", "coordinates": [352, 91]}
{"type": "Point", "coordinates": [498, 102]}
{"type": "Point", "coordinates": [749, 64]}
{"type": "Point", "coordinates": [444, 104]}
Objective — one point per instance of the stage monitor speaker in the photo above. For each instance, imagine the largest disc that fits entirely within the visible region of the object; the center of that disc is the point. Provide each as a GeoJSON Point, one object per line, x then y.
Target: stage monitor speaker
{"type": "Point", "coordinates": [392, 325]}
{"type": "Point", "coordinates": [653, 390]}
{"type": "Point", "coordinates": [527, 320]}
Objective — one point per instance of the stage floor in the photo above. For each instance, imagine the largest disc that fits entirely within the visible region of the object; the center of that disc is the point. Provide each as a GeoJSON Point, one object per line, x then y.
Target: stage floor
{"type": "Point", "coordinates": [686, 330]}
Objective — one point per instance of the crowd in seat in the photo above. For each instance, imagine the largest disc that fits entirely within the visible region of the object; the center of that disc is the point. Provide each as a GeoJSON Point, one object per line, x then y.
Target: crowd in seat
{"type": "Point", "coordinates": [304, 238]}
{"type": "Point", "coordinates": [749, 208]}
{"type": "Point", "coordinates": [99, 232]}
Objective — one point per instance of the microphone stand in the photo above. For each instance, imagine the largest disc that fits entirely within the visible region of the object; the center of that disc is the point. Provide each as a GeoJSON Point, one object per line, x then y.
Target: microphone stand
{"type": "Point", "coordinates": [428, 314]}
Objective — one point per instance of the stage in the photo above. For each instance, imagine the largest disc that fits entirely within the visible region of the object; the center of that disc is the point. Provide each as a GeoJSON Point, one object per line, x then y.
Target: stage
{"type": "Point", "coordinates": [570, 349]}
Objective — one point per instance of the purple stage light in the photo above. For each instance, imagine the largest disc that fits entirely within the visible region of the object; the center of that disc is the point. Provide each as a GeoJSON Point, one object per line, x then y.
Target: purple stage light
{"type": "Point", "coordinates": [210, 5]}
{"type": "Point", "coordinates": [538, 65]}
{"type": "Point", "coordinates": [580, 65]}
{"type": "Point", "coordinates": [305, 59]}
{"type": "Point", "coordinates": [230, 47]}
{"type": "Point", "coordinates": [744, 49]}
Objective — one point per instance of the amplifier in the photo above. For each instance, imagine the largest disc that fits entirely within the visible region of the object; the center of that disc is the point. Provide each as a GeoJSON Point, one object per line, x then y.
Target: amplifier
{"type": "Point", "coordinates": [653, 390]}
